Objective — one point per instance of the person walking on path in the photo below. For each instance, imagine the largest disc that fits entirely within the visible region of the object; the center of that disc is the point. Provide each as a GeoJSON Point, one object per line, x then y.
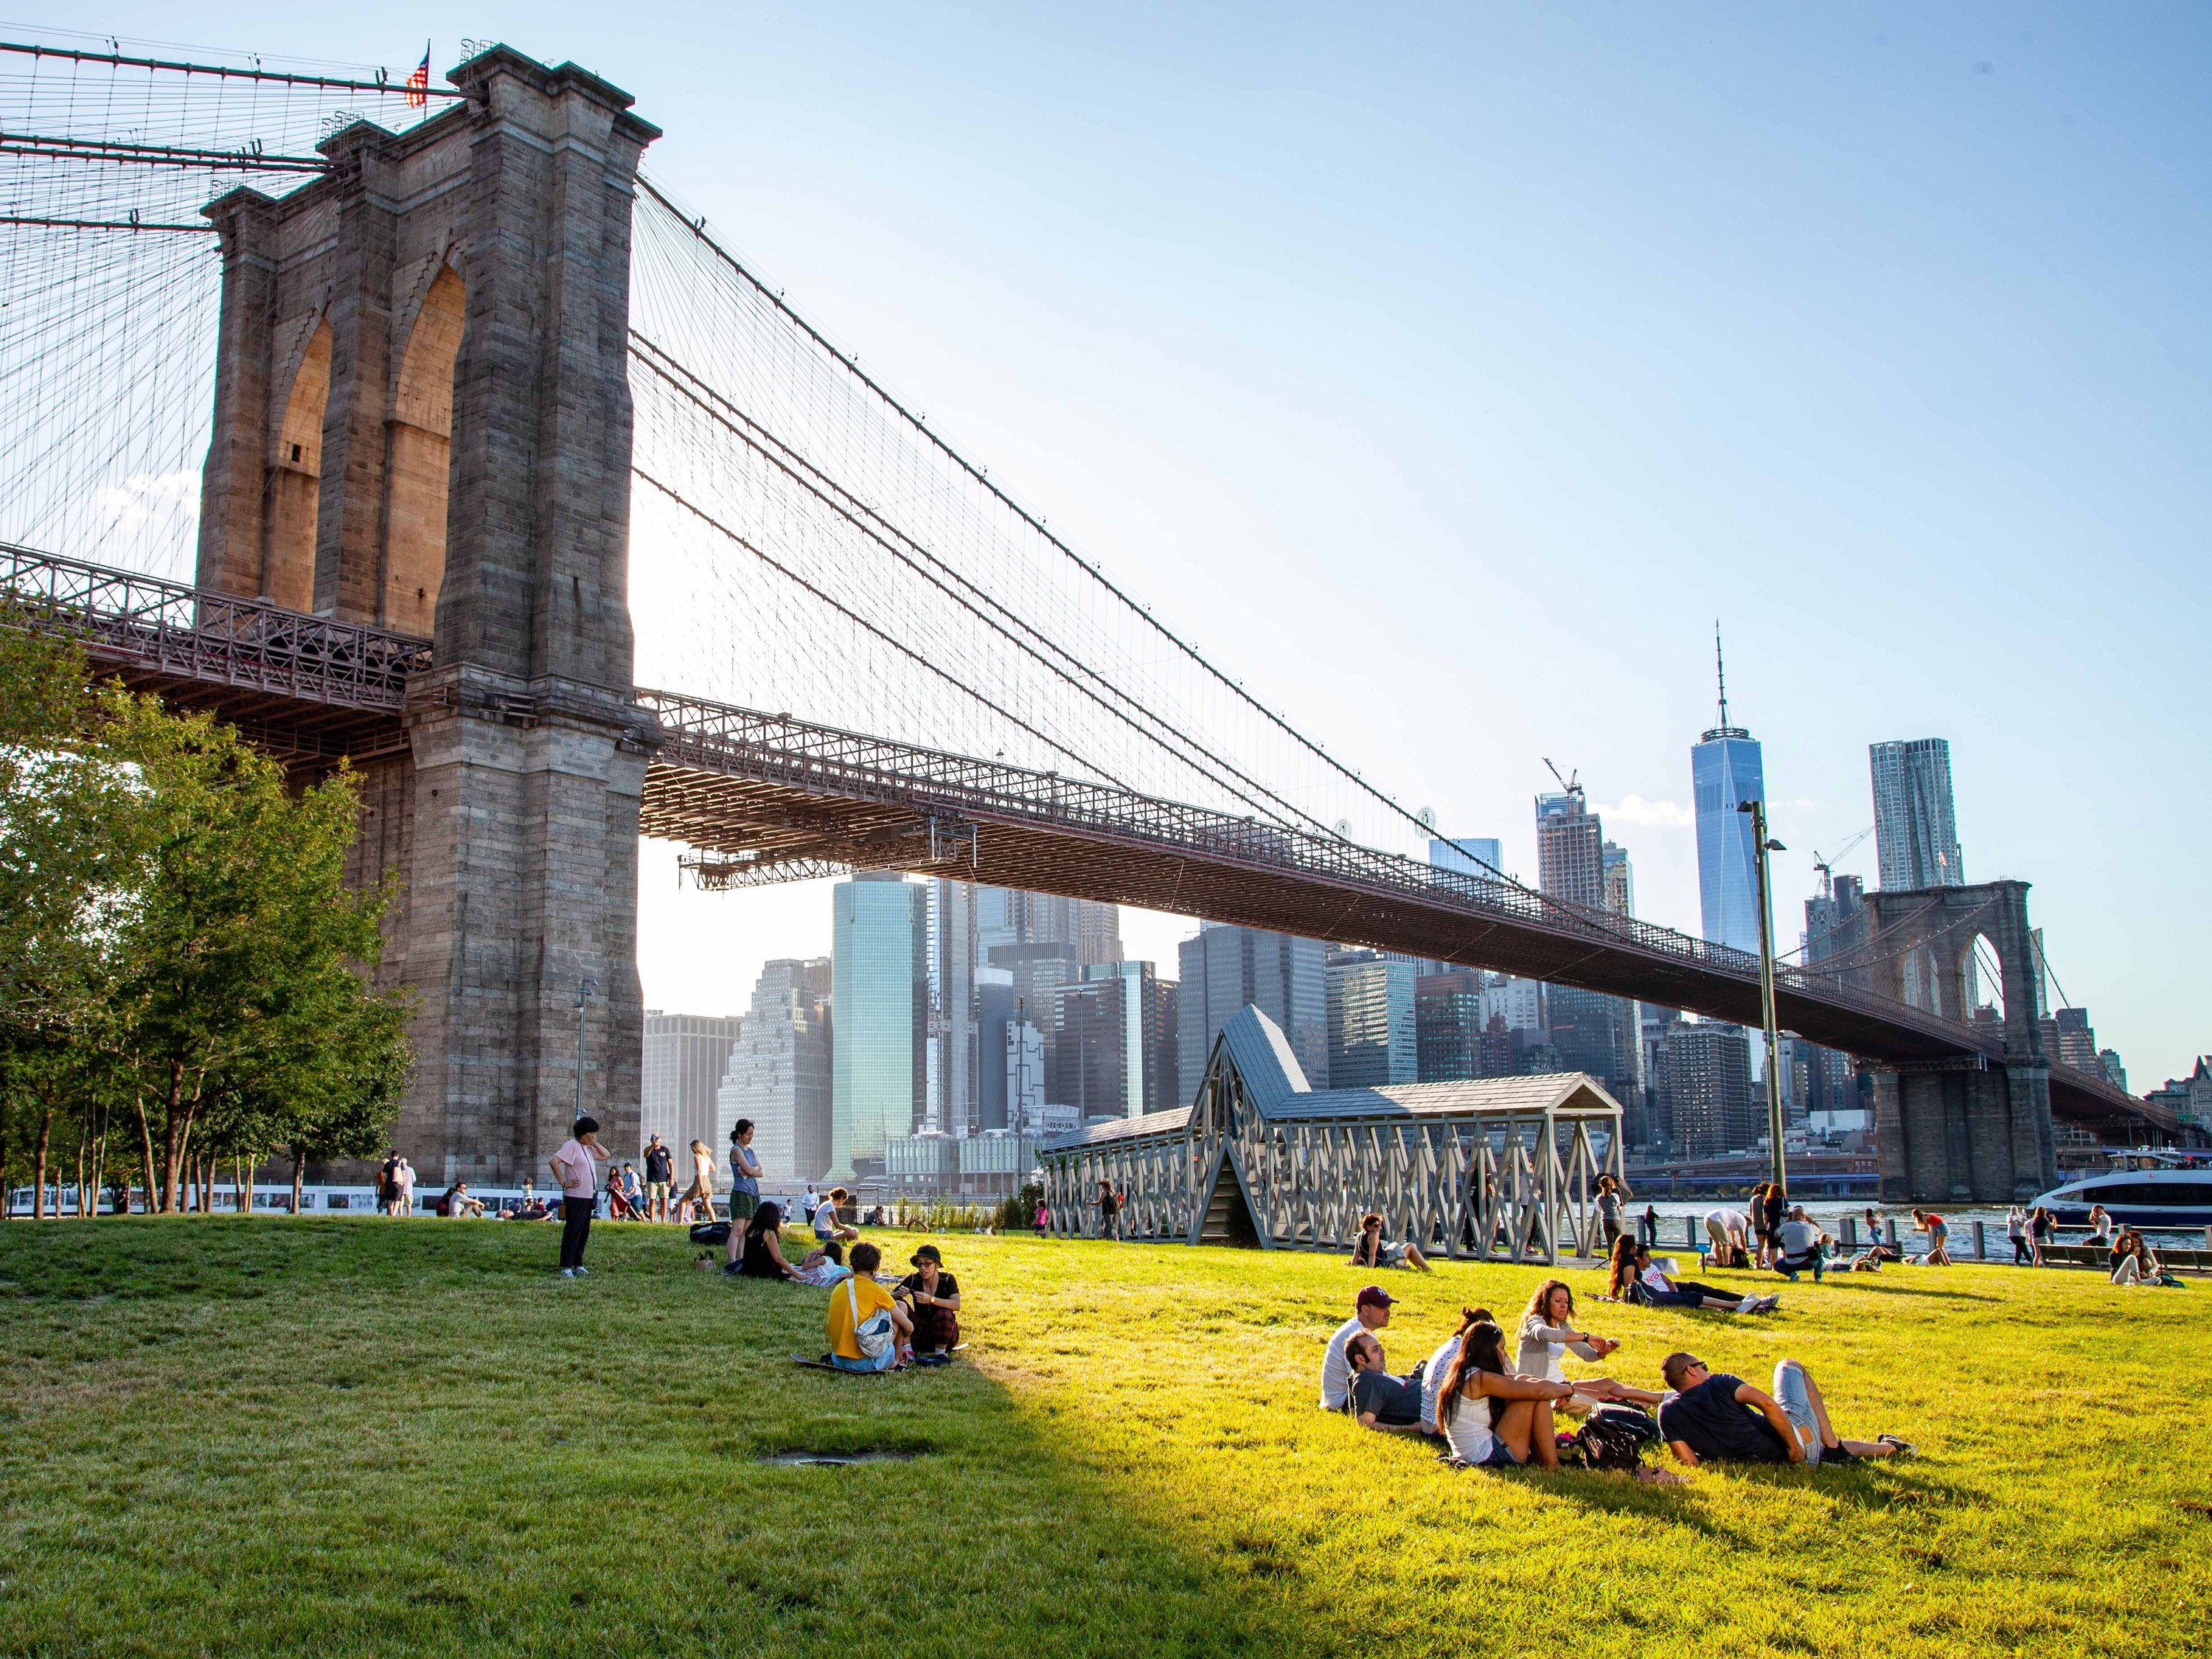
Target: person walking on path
{"type": "Point", "coordinates": [1608, 1208]}
{"type": "Point", "coordinates": [745, 1172]}
{"type": "Point", "coordinates": [1109, 1207]}
{"type": "Point", "coordinates": [700, 1194]}
{"type": "Point", "coordinates": [1647, 1227]}
{"type": "Point", "coordinates": [576, 1167]}
{"type": "Point", "coordinates": [2016, 1231]}
{"type": "Point", "coordinates": [659, 1177]}
{"type": "Point", "coordinates": [406, 1190]}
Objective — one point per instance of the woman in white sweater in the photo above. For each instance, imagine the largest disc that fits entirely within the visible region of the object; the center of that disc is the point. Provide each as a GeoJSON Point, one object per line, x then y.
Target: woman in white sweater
{"type": "Point", "coordinates": [1547, 1332]}
{"type": "Point", "coordinates": [1493, 1418]}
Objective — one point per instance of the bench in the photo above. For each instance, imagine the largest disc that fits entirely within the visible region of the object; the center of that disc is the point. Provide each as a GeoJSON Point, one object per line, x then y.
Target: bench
{"type": "Point", "coordinates": [2177, 1260]}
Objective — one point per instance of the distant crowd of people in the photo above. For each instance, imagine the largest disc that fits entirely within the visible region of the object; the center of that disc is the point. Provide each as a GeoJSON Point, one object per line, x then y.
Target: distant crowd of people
{"type": "Point", "coordinates": [1491, 1400]}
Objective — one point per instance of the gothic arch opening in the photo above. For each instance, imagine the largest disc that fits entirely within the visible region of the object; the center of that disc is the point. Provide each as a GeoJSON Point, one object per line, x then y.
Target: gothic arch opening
{"type": "Point", "coordinates": [420, 437]}
{"type": "Point", "coordinates": [1981, 979]}
{"type": "Point", "coordinates": [295, 481]}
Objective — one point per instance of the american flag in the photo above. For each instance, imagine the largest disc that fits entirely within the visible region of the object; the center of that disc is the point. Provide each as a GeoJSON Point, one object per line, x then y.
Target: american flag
{"type": "Point", "coordinates": [418, 81]}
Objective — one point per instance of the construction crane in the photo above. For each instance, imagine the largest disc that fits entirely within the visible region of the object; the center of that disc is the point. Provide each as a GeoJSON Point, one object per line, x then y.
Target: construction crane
{"type": "Point", "coordinates": [1825, 864]}
{"type": "Point", "coordinates": [1572, 786]}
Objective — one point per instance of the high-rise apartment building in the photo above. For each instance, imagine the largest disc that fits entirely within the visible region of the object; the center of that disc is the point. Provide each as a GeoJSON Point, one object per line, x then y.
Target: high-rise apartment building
{"type": "Point", "coordinates": [1518, 1002]}
{"type": "Point", "coordinates": [685, 1054]}
{"type": "Point", "coordinates": [1619, 880]}
{"type": "Point", "coordinates": [879, 1069]}
{"type": "Point", "coordinates": [1704, 1089]}
{"type": "Point", "coordinates": [1727, 770]}
{"type": "Point", "coordinates": [953, 1090]}
{"type": "Point", "coordinates": [1005, 915]}
{"type": "Point", "coordinates": [1372, 1035]}
{"type": "Point", "coordinates": [1225, 967]}
{"type": "Point", "coordinates": [1482, 857]}
{"type": "Point", "coordinates": [1916, 835]}
{"type": "Point", "coordinates": [779, 1071]}
{"type": "Point", "coordinates": [1569, 850]}
{"type": "Point", "coordinates": [1447, 1026]}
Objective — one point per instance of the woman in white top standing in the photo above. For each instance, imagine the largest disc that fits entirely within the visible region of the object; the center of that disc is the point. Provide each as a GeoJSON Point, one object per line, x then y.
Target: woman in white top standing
{"type": "Point", "coordinates": [1547, 1332]}
{"type": "Point", "coordinates": [576, 1166]}
{"type": "Point", "coordinates": [1493, 1418]}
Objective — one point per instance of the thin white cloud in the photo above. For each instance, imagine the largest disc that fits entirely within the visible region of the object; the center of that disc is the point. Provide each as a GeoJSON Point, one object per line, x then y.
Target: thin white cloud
{"type": "Point", "coordinates": [1634, 809]}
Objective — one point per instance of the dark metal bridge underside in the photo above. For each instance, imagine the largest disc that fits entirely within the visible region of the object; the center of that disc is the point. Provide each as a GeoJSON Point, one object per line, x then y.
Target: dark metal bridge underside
{"type": "Point", "coordinates": [769, 797]}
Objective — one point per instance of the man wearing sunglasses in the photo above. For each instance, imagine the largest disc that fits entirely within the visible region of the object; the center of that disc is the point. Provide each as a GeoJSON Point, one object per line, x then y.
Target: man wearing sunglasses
{"type": "Point", "coordinates": [1717, 1418]}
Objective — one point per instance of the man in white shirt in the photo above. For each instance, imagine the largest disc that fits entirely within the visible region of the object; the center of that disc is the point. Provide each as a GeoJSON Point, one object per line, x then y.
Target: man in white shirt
{"type": "Point", "coordinates": [1370, 1311]}
{"type": "Point", "coordinates": [1729, 1231]}
{"type": "Point", "coordinates": [576, 1166]}
{"type": "Point", "coordinates": [406, 1188]}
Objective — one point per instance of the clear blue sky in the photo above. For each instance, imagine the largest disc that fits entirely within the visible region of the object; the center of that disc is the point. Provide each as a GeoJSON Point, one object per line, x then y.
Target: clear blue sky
{"type": "Point", "coordinates": [1449, 371]}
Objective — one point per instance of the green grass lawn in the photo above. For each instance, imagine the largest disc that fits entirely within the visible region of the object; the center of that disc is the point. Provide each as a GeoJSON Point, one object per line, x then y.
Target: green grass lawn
{"type": "Point", "coordinates": [265, 1435]}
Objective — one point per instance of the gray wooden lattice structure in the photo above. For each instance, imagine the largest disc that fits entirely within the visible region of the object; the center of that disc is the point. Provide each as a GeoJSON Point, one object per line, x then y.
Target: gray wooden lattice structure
{"type": "Point", "coordinates": [1496, 1168]}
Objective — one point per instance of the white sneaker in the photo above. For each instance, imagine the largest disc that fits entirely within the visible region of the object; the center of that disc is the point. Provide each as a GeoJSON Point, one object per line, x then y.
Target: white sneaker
{"type": "Point", "coordinates": [1749, 1304]}
{"type": "Point", "coordinates": [582, 1271]}
{"type": "Point", "coordinates": [568, 1272]}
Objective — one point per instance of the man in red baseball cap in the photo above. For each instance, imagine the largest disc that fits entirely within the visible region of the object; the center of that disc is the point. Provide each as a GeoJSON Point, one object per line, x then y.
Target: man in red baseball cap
{"type": "Point", "coordinates": [1370, 1311]}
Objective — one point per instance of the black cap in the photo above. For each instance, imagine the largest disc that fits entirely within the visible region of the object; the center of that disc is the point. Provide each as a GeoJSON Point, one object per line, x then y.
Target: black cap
{"type": "Point", "coordinates": [927, 1253]}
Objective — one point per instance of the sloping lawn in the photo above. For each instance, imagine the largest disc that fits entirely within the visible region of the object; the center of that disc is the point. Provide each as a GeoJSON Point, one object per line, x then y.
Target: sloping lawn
{"type": "Point", "coordinates": [271, 1436]}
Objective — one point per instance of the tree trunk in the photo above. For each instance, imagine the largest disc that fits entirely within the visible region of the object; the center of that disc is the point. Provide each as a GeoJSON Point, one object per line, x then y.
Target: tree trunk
{"type": "Point", "coordinates": [81, 1211]}
{"type": "Point", "coordinates": [146, 1150]}
{"type": "Point", "coordinates": [172, 1141]}
{"type": "Point", "coordinates": [207, 1183]}
{"type": "Point", "coordinates": [241, 1186]}
{"type": "Point", "coordinates": [38, 1168]}
{"type": "Point", "coordinates": [299, 1175]}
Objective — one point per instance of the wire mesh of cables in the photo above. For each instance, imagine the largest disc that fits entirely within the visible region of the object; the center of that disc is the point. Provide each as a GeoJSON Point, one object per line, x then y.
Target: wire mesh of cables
{"type": "Point", "coordinates": [803, 543]}
{"type": "Point", "coordinates": [110, 277]}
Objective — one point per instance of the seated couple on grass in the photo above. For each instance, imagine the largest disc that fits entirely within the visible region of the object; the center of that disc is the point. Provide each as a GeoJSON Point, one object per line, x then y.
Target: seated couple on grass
{"type": "Point", "coordinates": [1634, 1278]}
{"type": "Point", "coordinates": [1721, 1418]}
{"type": "Point", "coordinates": [872, 1328]}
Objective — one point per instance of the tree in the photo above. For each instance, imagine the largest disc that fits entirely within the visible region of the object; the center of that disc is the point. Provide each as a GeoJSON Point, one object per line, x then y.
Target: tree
{"type": "Point", "coordinates": [236, 939]}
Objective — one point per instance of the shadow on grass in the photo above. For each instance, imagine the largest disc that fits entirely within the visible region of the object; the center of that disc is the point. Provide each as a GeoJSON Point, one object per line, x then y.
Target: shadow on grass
{"type": "Point", "coordinates": [412, 1433]}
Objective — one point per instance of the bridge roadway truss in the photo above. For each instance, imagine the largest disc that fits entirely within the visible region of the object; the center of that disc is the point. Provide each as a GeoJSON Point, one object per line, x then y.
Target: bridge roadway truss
{"type": "Point", "coordinates": [766, 797]}
{"type": "Point", "coordinates": [1505, 1168]}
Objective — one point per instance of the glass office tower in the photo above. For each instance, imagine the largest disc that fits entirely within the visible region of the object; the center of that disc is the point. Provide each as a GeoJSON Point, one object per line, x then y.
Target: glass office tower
{"type": "Point", "coordinates": [880, 974]}
{"type": "Point", "coordinates": [1725, 771]}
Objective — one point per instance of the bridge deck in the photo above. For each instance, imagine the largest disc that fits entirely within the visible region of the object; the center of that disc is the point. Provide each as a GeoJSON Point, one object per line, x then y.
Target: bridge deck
{"type": "Point", "coordinates": [775, 798]}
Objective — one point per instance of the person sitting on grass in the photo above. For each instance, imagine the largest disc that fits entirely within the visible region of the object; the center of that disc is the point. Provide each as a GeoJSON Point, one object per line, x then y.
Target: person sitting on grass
{"type": "Point", "coordinates": [1659, 1290]}
{"type": "Point", "coordinates": [1939, 1234]}
{"type": "Point", "coordinates": [756, 1250]}
{"type": "Point", "coordinates": [1432, 1369]}
{"type": "Point", "coordinates": [1620, 1269]}
{"type": "Point", "coordinates": [1374, 1251]}
{"type": "Point", "coordinates": [827, 1226]}
{"type": "Point", "coordinates": [1493, 1418]}
{"type": "Point", "coordinates": [1370, 1311]}
{"type": "Point", "coordinates": [933, 1297]}
{"type": "Point", "coordinates": [1803, 1245]}
{"type": "Point", "coordinates": [1378, 1399]}
{"type": "Point", "coordinates": [1547, 1332]}
{"type": "Point", "coordinates": [1721, 1418]}
{"type": "Point", "coordinates": [823, 1265]}
{"type": "Point", "coordinates": [864, 1316]}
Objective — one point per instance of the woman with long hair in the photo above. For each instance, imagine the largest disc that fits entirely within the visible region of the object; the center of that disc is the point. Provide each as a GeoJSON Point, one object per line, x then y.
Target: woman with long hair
{"type": "Point", "coordinates": [1373, 1250]}
{"type": "Point", "coordinates": [1620, 1268]}
{"type": "Point", "coordinates": [700, 1195]}
{"type": "Point", "coordinates": [1548, 1331]}
{"type": "Point", "coordinates": [756, 1251]}
{"type": "Point", "coordinates": [1494, 1418]}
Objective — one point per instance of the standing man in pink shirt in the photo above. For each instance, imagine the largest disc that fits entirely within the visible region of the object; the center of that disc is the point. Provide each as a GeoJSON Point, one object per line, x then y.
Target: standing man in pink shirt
{"type": "Point", "coordinates": [576, 1167]}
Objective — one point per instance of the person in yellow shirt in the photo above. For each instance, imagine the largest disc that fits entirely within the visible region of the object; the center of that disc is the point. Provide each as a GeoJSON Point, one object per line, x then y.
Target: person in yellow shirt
{"type": "Point", "coordinates": [863, 1315]}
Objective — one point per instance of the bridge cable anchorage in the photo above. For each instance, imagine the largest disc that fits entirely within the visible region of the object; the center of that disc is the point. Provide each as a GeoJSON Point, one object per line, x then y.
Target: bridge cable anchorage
{"type": "Point", "coordinates": [724, 530]}
{"type": "Point", "coordinates": [1136, 612]}
{"type": "Point", "coordinates": [971, 597]}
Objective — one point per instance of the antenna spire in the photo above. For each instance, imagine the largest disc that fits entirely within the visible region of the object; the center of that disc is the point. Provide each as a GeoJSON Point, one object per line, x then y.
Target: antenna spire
{"type": "Point", "coordinates": [1720, 669]}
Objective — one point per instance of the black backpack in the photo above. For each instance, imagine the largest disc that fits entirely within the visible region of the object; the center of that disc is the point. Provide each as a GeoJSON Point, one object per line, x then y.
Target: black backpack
{"type": "Point", "coordinates": [1615, 1436]}
{"type": "Point", "coordinates": [710, 1232]}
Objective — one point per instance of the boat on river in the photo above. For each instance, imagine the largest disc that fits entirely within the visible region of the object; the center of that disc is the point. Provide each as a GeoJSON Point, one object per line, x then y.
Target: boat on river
{"type": "Point", "coordinates": [2146, 1187]}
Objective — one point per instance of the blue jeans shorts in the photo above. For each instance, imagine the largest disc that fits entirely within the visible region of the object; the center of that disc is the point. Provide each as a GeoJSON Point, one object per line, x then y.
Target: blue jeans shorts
{"type": "Point", "coordinates": [1796, 1399]}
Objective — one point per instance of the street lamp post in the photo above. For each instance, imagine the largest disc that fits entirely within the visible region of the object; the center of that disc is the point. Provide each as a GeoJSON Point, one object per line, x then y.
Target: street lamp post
{"type": "Point", "coordinates": [584, 990]}
{"type": "Point", "coordinates": [1766, 845]}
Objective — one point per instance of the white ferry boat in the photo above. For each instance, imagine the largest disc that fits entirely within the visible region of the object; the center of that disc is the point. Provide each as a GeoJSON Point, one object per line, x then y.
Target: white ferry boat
{"type": "Point", "coordinates": [2148, 1187]}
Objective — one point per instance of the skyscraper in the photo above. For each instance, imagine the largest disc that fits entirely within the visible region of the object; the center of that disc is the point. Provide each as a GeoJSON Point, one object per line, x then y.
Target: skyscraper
{"type": "Point", "coordinates": [1482, 857]}
{"type": "Point", "coordinates": [953, 1088]}
{"type": "Point", "coordinates": [1705, 1088]}
{"type": "Point", "coordinates": [1592, 1031]}
{"type": "Point", "coordinates": [1372, 1036]}
{"type": "Point", "coordinates": [779, 1071]}
{"type": "Point", "coordinates": [1223, 969]}
{"type": "Point", "coordinates": [1114, 1047]}
{"type": "Point", "coordinates": [878, 1063]}
{"type": "Point", "coordinates": [1447, 1026]}
{"type": "Point", "coordinates": [1570, 849]}
{"type": "Point", "coordinates": [1726, 769]}
{"type": "Point", "coordinates": [1916, 836]}
{"type": "Point", "coordinates": [685, 1054]}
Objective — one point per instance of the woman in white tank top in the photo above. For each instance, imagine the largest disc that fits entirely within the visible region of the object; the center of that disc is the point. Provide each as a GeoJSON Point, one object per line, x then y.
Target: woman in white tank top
{"type": "Point", "coordinates": [1496, 1419]}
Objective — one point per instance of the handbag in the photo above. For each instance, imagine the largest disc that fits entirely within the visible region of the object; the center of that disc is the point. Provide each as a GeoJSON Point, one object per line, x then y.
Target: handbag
{"type": "Point", "coordinates": [872, 1338]}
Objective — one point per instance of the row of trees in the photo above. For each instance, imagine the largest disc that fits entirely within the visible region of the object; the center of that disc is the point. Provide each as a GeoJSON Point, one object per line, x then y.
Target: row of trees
{"type": "Point", "coordinates": [185, 976]}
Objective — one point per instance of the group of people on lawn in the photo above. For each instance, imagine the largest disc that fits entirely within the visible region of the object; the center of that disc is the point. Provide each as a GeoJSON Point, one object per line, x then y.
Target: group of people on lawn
{"type": "Point", "coordinates": [1492, 1400]}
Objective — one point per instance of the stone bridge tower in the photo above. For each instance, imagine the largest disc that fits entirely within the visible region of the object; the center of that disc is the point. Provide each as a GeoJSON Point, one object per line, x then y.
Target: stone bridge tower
{"type": "Point", "coordinates": [422, 422]}
{"type": "Point", "coordinates": [1962, 1130]}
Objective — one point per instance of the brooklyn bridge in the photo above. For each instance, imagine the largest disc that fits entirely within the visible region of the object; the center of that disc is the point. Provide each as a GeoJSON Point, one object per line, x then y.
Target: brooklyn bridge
{"type": "Point", "coordinates": [337, 407]}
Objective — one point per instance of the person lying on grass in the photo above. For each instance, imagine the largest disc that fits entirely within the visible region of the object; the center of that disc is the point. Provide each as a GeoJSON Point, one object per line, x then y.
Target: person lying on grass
{"type": "Point", "coordinates": [1548, 1331]}
{"type": "Point", "coordinates": [1373, 1250]}
{"type": "Point", "coordinates": [1721, 1418]}
{"type": "Point", "coordinates": [756, 1250]}
{"type": "Point", "coordinates": [1662, 1291]}
{"type": "Point", "coordinates": [863, 1316]}
{"type": "Point", "coordinates": [1494, 1418]}
{"type": "Point", "coordinates": [823, 1267]}
{"type": "Point", "coordinates": [1378, 1399]}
